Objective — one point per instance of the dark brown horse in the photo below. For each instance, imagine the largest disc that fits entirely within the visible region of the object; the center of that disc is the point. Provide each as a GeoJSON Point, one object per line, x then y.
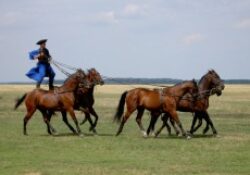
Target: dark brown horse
{"type": "Point", "coordinates": [84, 100]}
{"type": "Point", "coordinates": [209, 84]}
{"type": "Point", "coordinates": [163, 100]}
{"type": "Point", "coordinates": [60, 99]}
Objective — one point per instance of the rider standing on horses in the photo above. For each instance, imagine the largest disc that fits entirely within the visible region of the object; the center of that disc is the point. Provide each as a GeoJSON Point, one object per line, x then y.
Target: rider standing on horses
{"type": "Point", "coordinates": [43, 68]}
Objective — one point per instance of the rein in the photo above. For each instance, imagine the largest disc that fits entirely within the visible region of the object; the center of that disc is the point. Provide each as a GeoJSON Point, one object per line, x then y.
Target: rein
{"type": "Point", "coordinates": [197, 96]}
{"type": "Point", "coordinates": [61, 67]}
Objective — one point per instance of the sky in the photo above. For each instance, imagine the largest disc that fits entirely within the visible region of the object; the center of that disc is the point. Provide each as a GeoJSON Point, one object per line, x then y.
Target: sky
{"type": "Point", "coordinates": [127, 38]}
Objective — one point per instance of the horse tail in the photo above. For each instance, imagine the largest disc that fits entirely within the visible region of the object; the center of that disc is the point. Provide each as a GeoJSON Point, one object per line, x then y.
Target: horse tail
{"type": "Point", "coordinates": [120, 108]}
{"type": "Point", "coordinates": [19, 101]}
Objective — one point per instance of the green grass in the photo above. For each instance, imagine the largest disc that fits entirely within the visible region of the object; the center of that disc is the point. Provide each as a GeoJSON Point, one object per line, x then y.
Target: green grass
{"type": "Point", "coordinates": [130, 153]}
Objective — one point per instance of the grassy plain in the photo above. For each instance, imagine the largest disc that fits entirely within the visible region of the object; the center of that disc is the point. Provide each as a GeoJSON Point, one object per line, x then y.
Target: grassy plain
{"type": "Point", "coordinates": [130, 153]}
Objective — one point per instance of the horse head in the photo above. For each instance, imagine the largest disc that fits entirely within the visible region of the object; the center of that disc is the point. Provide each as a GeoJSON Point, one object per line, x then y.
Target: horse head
{"type": "Point", "coordinates": [215, 83]}
{"type": "Point", "coordinates": [82, 79]}
{"type": "Point", "coordinates": [94, 77]}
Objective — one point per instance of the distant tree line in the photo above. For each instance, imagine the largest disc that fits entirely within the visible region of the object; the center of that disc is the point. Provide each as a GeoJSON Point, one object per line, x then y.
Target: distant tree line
{"type": "Point", "coordinates": [148, 81]}
{"type": "Point", "coordinates": [145, 81]}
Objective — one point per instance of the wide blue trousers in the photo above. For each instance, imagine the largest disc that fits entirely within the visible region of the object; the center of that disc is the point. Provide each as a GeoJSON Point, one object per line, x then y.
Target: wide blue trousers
{"type": "Point", "coordinates": [42, 70]}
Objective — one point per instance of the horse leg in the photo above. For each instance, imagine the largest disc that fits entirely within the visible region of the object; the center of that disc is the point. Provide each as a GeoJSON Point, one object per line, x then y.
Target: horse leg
{"type": "Point", "coordinates": [177, 132]}
{"type": "Point", "coordinates": [174, 115]}
{"type": "Point", "coordinates": [155, 118]}
{"type": "Point", "coordinates": [199, 116]}
{"type": "Point", "coordinates": [193, 123]}
{"type": "Point", "coordinates": [92, 111]}
{"type": "Point", "coordinates": [46, 119]}
{"type": "Point", "coordinates": [138, 121]}
{"type": "Point", "coordinates": [124, 119]}
{"type": "Point", "coordinates": [84, 120]}
{"type": "Point", "coordinates": [209, 122]}
{"type": "Point", "coordinates": [65, 120]}
{"type": "Point", "coordinates": [87, 116]}
{"type": "Point", "coordinates": [73, 116]}
{"type": "Point", "coordinates": [49, 118]}
{"type": "Point", "coordinates": [27, 117]}
{"type": "Point", "coordinates": [164, 123]}
{"type": "Point", "coordinates": [152, 123]}
{"type": "Point", "coordinates": [206, 118]}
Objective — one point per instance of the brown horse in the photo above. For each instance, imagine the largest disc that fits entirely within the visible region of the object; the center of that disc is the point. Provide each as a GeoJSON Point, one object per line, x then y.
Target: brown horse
{"type": "Point", "coordinates": [84, 100]}
{"type": "Point", "coordinates": [209, 84]}
{"type": "Point", "coordinates": [163, 100]}
{"type": "Point", "coordinates": [61, 99]}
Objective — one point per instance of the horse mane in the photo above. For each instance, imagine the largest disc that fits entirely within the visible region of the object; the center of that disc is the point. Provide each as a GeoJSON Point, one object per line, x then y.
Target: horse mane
{"type": "Point", "coordinates": [210, 72]}
{"type": "Point", "coordinates": [74, 74]}
{"type": "Point", "coordinates": [92, 69]}
{"type": "Point", "coordinates": [186, 81]}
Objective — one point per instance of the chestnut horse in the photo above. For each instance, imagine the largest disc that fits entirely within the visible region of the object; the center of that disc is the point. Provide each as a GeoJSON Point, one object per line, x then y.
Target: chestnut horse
{"type": "Point", "coordinates": [209, 84]}
{"type": "Point", "coordinates": [164, 100]}
{"type": "Point", "coordinates": [84, 100]}
{"type": "Point", "coordinates": [60, 99]}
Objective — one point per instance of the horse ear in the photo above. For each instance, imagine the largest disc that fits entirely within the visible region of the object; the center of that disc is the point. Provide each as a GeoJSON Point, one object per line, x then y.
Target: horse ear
{"type": "Point", "coordinates": [194, 81]}
{"type": "Point", "coordinates": [211, 71]}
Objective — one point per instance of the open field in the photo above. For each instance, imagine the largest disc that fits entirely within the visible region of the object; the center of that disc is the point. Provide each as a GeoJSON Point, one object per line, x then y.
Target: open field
{"type": "Point", "coordinates": [130, 153]}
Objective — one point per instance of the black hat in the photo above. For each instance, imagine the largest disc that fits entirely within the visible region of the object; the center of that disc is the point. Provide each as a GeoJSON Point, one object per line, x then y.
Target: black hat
{"type": "Point", "coordinates": [41, 41]}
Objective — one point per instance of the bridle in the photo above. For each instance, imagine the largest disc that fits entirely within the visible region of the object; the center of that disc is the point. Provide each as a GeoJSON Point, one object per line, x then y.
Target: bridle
{"type": "Point", "coordinates": [82, 83]}
{"type": "Point", "coordinates": [194, 95]}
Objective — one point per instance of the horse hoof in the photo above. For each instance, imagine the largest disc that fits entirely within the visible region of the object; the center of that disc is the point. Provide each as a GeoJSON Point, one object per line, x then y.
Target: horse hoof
{"type": "Point", "coordinates": [145, 135]}
{"type": "Point", "coordinates": [81, 135]}
{"type": "Point", "coordinates": [153, 134]}
{"type": "Point", "coordinates": [179, 135]}
{"type": "Point", "coordinates": [95, 133]}
{"type": "Point", "coordinates": [216, 136]}
{"type": "Point", "coordinates": [55, 134]}
{"type": "Point", "coordinates": [188, 137]}
{"type": "Point", "coordinates": [156, 135]}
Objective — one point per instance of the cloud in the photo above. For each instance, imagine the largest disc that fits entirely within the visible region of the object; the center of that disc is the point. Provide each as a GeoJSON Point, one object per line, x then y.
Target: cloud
{"type": "Point", "coordinates": [9, 18]}
{"type": "Point", "coordinates": [243, 24]}
{"type": "Point", "coordinates": [106, 17]}
{"type": "Point", "coordinates": [193, 38]}
{"type": "Point", "coordinates": [132, 10]}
